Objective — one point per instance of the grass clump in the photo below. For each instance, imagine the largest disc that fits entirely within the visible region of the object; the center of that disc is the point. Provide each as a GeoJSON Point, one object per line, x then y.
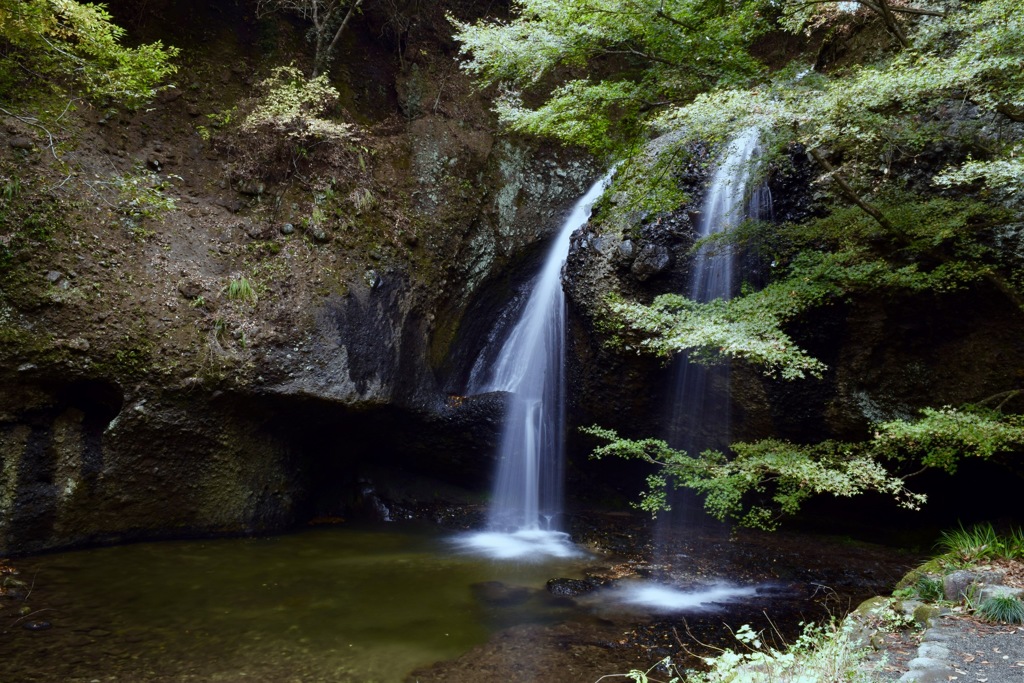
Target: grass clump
{"type": "Point", "coordinates": [241, 290]}
{"type": "Point", "coordinates": [929, 589]}
{"type": "Point", "coordinates": [1001, 609]}
{"type": "Point", "coordinates": [980, 543]}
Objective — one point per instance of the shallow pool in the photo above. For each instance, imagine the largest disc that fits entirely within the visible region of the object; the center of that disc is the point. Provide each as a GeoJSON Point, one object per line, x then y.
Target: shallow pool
{"type": "Point", "coordinates": [328, 604]}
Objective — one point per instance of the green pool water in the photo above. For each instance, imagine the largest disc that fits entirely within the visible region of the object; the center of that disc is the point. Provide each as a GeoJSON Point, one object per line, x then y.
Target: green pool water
{"type": "Point", "coordinates": [329, 604]}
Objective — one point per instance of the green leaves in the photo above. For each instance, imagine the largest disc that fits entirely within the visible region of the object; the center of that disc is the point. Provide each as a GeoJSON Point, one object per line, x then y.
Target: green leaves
{"type": "Point", "coordinates": [944, 436]}
{"type": "Point", "coordinates": [639, 56]}
{"type": "Point", "coordinates": [1004, 174]}
{"type": "Point", "coordinates": [760, 482]}
{"type": "Point", "coordinates": [931, 246]}
{"type": "Point", "coordinates": [716, 330]}
{"type": "Point", "coordinates": [969, 58]}
{"type": "Point", "coordinates": [78, 44]}
{"type": "Point", "coordinates": [576, 112]}
{"type": "Point", "coordinates": [293, 105]}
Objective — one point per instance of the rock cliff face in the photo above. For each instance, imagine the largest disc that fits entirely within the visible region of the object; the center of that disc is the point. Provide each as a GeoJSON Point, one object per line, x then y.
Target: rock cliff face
{"type": "Point", "coordinates": [255, 350]}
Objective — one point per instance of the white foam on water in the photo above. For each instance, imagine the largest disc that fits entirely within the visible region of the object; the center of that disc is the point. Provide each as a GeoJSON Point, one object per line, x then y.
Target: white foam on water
{"type": "Point", "coordinates": [662, 598]}
{"type": "Point", "coordinates": [524, 545]}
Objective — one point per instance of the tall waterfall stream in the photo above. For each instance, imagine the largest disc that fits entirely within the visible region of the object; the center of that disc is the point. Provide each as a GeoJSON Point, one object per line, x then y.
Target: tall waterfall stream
{"type": "Point", "coordinates": [523, 515]}
{"type": "Point", "coordinates": [699, 413]}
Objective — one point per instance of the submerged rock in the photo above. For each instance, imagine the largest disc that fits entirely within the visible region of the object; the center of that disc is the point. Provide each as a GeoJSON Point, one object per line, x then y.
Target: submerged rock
{"type": "Point", "coordinates": [36, 625]}
{"type": "Point", "coordinates": [569, 588]}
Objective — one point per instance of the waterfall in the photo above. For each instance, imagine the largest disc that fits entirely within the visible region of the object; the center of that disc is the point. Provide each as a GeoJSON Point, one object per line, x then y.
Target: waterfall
{"type": "Point", "coordinates": [523, 515]}
{"type": "Point", "coordinates": [700, 415]}
{"type": "Point", "coordinates": [726, 205]}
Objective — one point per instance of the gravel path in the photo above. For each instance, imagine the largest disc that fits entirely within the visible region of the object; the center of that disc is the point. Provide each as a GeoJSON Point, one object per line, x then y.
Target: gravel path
{"type": "Point", "coordinates": [958, 648]}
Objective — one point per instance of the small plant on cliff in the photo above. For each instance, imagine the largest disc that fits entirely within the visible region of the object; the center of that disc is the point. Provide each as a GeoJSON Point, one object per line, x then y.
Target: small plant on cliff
{"type": "Point", "coordinates": [292, 106]}
{"type": "Point", "coordinates": [143, 193]}
{"type": "Point", "coordinates": [288, 125]}
{"type": "Point", "coordinates": [220, 331]}
{"type": "Point", "coordinates": [29, 216]}
{"type": "Point", "coordinates": [241, 290]}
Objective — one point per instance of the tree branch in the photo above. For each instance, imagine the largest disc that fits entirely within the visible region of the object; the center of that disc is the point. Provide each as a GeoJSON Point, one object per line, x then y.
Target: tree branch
{"type": "Point", "coordinates": [1005, 395]}
{"type": "Point", "coordinates": [890, 21]}
{"type": "Point", "coordinates": [337, 34]}
{"type": "Point", "coordinates": [849, 192]}
{"type": "Point", "coordinates": [662, 14]}
{"type": "Point", "coordinates": [915, 10]}
{"type": "Point", "coordinates": [1011, 112]}
{"type": "Point", "coordinates": [874, 8]}
{"type": "Point", "coordinates": [645, 55]}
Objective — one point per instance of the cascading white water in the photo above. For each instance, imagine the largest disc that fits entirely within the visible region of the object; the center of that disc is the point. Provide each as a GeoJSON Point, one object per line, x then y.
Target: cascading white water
{"type": "Point", "coordinates": [522, 518]}
{"type": "Point", "coordinates": [700, 408]}
{"type": "Point", "coordinates": [726, 205]}
{"type": "Point", "coordinates": [699, 413]}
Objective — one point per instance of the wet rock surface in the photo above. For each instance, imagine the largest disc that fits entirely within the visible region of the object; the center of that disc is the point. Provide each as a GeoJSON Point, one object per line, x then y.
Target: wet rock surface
{"type": "Point", "coordinates": [499, 593]}
{"type": "Point", "coordinates": [352, 307]}
{"type": "Point", "coordinates": [569, 588]}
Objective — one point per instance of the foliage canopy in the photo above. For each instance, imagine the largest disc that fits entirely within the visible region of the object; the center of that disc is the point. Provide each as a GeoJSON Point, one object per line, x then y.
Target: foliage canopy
{"type": "Point", "coordinates": [607, 63]}
{"type": "Point", "coordinates": [763, 481]}
{"type": "Point", "coordinates": [77, 45]}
